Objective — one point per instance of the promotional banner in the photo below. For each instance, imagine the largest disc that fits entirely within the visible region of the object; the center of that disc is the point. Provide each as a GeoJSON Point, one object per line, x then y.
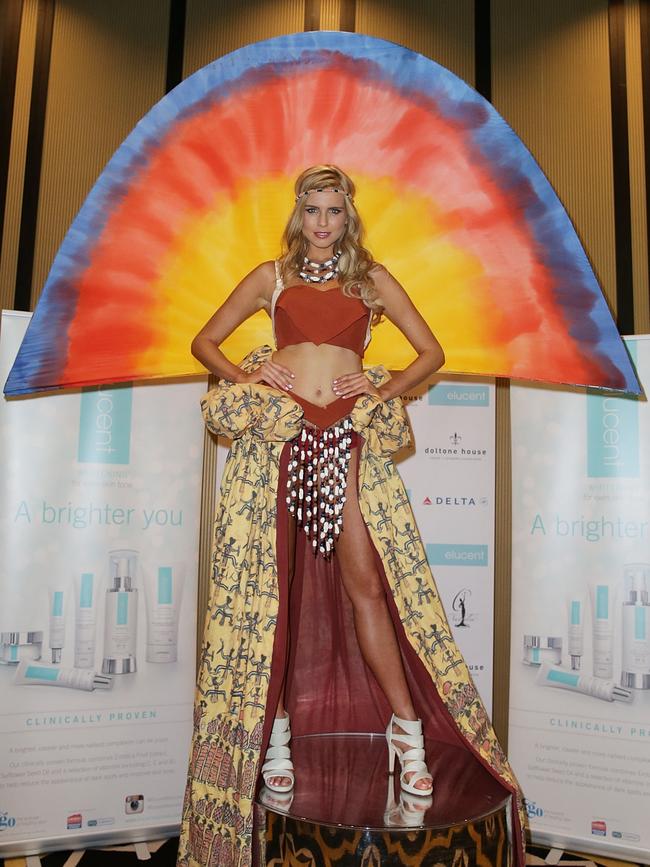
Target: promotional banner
{"type": "Point", "coordinates": [99, 521]}
{"type": "Point", "coordinates": [449, 475]}
{"type": "Point", "coordinates": [580, 669]}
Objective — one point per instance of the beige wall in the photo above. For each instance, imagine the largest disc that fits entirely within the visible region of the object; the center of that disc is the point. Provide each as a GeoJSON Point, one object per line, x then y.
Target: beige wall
{"type": "Point", "coordinates": [216, 27]}
{"type": "Point", "coordinates": [443, 31]}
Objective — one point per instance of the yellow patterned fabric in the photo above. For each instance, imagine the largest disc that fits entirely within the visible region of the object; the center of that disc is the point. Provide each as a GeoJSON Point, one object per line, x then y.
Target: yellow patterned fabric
{"type": "Point", "coordinates": [235, 671]}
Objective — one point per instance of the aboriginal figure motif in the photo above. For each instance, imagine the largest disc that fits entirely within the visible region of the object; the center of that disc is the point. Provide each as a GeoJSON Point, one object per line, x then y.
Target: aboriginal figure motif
{"type": "Point", "coordinates": [245, 608]}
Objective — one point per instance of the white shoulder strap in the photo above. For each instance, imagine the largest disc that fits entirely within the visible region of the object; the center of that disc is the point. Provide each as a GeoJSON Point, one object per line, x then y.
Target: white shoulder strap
{"type": "Point", "coordinates": [279, 287]}
{"type": "Point", "coordinates": [368, 332]}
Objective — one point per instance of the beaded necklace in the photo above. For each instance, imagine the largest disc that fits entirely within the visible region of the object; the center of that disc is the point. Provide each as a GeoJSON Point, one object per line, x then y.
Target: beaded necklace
{"type": "Point", "coordinates": [320, 272]}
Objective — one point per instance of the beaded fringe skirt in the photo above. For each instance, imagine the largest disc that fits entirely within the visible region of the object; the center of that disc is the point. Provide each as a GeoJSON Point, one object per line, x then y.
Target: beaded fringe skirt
{"type": "Point", "coordinates": [317, 478]}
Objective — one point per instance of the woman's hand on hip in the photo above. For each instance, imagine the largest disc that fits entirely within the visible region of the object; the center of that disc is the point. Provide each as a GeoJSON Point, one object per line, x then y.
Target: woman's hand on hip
{"type": "Point", "coordinates": [352, 384]}
{"type": "Point", "coordinates": [276, 375]}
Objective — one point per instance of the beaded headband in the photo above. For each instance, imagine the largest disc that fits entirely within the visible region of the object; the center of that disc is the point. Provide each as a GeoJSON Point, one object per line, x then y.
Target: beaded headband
{"type": "Point", "coordinates": [323, 190]}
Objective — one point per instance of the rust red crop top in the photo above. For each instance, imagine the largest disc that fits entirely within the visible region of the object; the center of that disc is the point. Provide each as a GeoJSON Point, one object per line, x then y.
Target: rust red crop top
{"type": "Point", "coordinates": [308, 314]}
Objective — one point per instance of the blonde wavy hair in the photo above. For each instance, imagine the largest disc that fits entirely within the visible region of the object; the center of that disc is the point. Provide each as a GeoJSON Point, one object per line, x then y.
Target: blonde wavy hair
{"type": "Point", "coordinates": [356, 262]}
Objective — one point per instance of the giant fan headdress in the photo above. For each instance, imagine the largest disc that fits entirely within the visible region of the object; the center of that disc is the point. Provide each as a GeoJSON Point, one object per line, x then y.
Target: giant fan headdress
{"type": "Point", "coordinates": [198, 194]}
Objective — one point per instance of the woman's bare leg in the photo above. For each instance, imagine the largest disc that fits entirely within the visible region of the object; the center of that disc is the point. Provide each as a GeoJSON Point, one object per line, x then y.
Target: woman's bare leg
{"type": "Point", "coordinates": [372, 619]}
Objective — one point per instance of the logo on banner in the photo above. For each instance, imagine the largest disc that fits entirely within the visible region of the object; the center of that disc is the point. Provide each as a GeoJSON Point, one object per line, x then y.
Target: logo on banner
{"type": "Point", "coordinates": [599, 828]}
{"type": "Point", "coordinates": [6, 821]}
{"type": "Point", "coordinates": [105, 425]}
{"type": "Point", "coordinates": [461, 607]}
{"type": "Point", "coordinates": [625, 835]}
{"type": "Point", "coordinates": [134, 804]}
{"type": "Point", "coordinates": [74, 821]}
{"type": "Point", "coordinates": [456, 555]}
{"type": "Point", "coordinates": [446, 394]}
{"type": "Point", "coordinates": [454, 448]}
{"type": "Point", "coordinates": [96, 823]}
{"type": "Point", "coordinates": [454, 501]}
{"type": "Point", "coordinates": [612, 436]}
{"type": "Point", "coordinates": [532, 809]}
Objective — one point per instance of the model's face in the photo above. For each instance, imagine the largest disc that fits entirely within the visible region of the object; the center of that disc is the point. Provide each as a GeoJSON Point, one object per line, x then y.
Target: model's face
{"type": "Point", "coordinates": [323, 222]}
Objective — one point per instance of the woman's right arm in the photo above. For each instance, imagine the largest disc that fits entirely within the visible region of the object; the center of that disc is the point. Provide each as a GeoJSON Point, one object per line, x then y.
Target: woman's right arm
{"type": "Point", "coordinates": [249, 296]}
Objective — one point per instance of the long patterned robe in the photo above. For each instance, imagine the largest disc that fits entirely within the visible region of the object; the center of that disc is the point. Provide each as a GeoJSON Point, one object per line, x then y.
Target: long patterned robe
{"type": "Point", "coordinates": [244, 607]}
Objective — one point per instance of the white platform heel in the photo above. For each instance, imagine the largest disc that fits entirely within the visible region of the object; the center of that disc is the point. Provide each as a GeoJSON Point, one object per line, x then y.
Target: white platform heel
{"type": "Point", "coordinates": [276, 800]}
{"type": "Point", "coordinates": [412, 759]}
{"type": "Point", "coordinates": [277, 761]}
{"type": "Point", "coordinates": [410, 812]}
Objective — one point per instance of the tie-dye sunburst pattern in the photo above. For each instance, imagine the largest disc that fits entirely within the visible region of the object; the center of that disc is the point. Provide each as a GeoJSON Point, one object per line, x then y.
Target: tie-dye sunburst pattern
{"type": "Point", "coordinates": [455, 207]}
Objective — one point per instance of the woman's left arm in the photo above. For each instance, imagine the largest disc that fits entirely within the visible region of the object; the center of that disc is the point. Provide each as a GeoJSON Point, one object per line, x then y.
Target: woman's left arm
{"type": "Point", "coordinates": [401, 311]}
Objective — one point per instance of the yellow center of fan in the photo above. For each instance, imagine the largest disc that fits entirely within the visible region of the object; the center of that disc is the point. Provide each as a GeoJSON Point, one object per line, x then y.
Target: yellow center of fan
{"type": "Point", "coordinates": [404, 232]}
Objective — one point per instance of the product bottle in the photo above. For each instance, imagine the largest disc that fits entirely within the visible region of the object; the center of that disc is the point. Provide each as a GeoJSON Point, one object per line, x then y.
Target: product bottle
{"type": "Point", "coordinates": [602, 623]}
{"type": "Point", "coordinates": [58, 603]}
{"type": "Point", "coordinates": [636, 627]}
{"type": "Point", "coordinates": [85, 620]}
{"type": "Point", "coordinates": [597, 687]}
{"type": "Point", "coordinates": [576, 612]}
{"type": "Point", "coordinates": [121, 614]}
{"type": "Point", "coordinates": [163, 588]}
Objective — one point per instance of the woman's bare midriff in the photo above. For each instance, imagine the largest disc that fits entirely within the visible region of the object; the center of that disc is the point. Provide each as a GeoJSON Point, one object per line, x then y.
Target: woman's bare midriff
{"type": "Point", "coordinates": [314, 368]}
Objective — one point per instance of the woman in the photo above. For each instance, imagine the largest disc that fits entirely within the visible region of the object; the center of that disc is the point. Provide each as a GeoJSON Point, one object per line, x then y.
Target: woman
{"type": "Point", "coordinates": [311, 503]}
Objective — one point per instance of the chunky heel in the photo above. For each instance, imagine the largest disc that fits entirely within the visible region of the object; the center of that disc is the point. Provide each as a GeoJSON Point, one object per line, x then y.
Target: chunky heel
{"type": "Point", "coordinates": [278, 756]}
{"type": "Point", "coordinates": [412, 759]}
